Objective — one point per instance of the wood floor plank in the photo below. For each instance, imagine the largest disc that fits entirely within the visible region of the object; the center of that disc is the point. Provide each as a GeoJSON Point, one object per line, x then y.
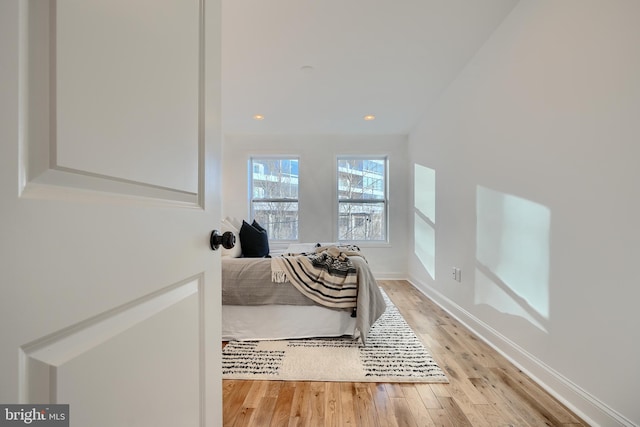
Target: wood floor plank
{"type": "Point", "coordinates": [515, 401]}
{"type": "Point", "coordinates": [266, 406]}
{"type": "Point", "coordinates": [427, 396]}
{"type": "Point", "coordinates": [244, 418]}
{"type": "Point", "coordinates": [476, 349]}
{"type": "Point", "coordinates": [394, 390]}
{"type": "Point", "coordinates": [317, 404]}
{"type": "Point", "coordinates": [485, 390]}
{"type": "Point", "coordinates": [282, 408]}
{"type": "Point", "coordinates": [453, 370]}
{"type": "Point", "coordinates": [450, 343]}
{"type": "Point", "coordinates": [347, 392]}
{"type": "Point", "coordinates": [538, 397]}
{"type": "Point", "coordinates": [403, 417]}
{"type": "Point", "coordinates": [491, 415]}
{"type": "Point", "coordinates": [431, 342]}
{"type": "Point", "coordinates": [551, 413]}
{"type": "Point", "coordinates": [440, 390]}
{"type": "Point", "coordinates": [298, 415]}
{"type": "Point", "coordinates": [456, 415]}
{"type": "Point", "coordinates": [440, 418]}
{"type": "Point", "coordinates": [256, 392]}
{"type": "Point", "coordinates": [264, 412]}
{"type": "Point", "coordinates": [471, 365]}
{"type": "Point", "coordinates": [506, 412]}
{"type": "Point", "coordinates": [333, 405]}
{"type": "Point", "coordinates": [365, 409]}
{"type": "Point", "coordinates": [233, 399]}
{"type": "Point", "coordinates": [459, 397]}
{"type": "Point", "coordinates": [384, 406]}
{"type": "Point", "coordinates": [417, 405]}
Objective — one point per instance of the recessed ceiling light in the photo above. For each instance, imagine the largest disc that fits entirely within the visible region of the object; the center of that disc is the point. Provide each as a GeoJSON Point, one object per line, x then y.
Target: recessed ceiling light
{"type": "Point", "coordinates": [306, 69]}
{"type": "Point", "coordinates": [369, 117]}
{"type": "Point", "coordinates": [258, 117]}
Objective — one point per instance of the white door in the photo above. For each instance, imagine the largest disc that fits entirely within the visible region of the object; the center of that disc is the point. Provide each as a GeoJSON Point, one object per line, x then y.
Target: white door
{"type": "Point", "coordinates": [109, 189]}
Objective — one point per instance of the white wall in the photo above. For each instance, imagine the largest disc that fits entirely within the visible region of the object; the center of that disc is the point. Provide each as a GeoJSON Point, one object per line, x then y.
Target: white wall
{"type": "Point", "coordinates": [317, 186]}
{"type": "Point", "coordinates": [535, 149]}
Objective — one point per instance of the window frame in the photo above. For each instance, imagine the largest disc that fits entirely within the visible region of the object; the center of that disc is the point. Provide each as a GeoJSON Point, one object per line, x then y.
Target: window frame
{"type": "Point", "coordinates": [253, 159]}
{"type": "Point", "coordinates": [364, 201]}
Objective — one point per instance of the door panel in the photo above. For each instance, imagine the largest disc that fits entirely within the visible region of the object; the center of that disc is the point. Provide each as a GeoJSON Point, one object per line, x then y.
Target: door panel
{"type": "Point", "coordinates": [109, 131]}
{"type": "Point", "coordinates": [127, 89]}
{"type": "Point", "coordinates": [115, 367]}
{"type": "Point", "coordinates": [113, 93]}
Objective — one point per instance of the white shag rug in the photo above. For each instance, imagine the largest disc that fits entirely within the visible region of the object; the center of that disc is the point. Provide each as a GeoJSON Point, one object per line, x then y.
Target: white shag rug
{"type": "Point", "coordinates": [393, 354]}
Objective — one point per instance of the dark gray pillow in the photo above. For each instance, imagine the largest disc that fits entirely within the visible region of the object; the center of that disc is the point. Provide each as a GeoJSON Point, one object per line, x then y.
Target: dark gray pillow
{"type": "Point", "coordinates": [254, 240]}
{"type": "Point", "coordinates": [258, 226]}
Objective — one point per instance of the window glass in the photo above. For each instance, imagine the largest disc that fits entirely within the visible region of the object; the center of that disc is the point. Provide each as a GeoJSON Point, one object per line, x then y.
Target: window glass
{"type": "Point", "coordinates": [362, 199]}
{"type": "Point", "coordinates": [274, 196]}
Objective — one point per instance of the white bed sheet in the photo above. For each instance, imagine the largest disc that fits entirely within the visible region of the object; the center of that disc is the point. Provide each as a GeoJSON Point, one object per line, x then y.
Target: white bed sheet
{"type": "Point", "coordinates": [272, 322]}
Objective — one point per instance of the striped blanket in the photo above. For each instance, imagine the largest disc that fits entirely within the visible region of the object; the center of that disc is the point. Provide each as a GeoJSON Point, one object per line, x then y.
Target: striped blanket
{"type": "Point", "coordinates": [326, 275]}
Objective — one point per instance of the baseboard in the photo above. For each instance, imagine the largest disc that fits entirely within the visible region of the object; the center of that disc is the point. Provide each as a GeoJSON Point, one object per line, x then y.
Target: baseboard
{"type": "Point", "coordinates": [593, 411]}
{"type": "Point", "coordinates": [389, 276]}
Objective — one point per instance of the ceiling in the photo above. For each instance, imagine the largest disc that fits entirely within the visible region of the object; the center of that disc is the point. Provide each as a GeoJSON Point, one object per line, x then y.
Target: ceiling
{"type": "Point", "coordinates": [320, 66]}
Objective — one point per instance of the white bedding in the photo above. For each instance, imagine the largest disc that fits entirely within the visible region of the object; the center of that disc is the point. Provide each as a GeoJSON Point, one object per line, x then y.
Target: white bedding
{"type": "Point", "coordinates": [270, 322]}
{"type": "Point", "coordinates": [254, 306]}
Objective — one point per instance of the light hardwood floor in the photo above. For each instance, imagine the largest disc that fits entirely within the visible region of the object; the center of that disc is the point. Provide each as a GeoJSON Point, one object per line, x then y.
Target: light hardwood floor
{"type": "Point", "coordinates": [484, 389]}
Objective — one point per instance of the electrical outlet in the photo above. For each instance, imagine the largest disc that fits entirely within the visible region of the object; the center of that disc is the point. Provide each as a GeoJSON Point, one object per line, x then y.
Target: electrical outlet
{"type": "Point", "coordinates": [456, 274]}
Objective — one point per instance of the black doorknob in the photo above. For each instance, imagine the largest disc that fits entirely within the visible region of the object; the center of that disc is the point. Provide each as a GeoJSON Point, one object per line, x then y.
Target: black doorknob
{"type": "Point", "coordinates": [227, 240]}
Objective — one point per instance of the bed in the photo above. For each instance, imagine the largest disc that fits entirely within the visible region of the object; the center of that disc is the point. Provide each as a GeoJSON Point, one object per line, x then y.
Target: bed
{"type": "Point", "coordinates": [255, 307]}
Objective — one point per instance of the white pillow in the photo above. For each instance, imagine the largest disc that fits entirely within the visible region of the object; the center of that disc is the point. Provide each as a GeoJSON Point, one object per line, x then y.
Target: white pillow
{"type": "Point", "coordinates": [236, 251]}
{"type": "Point", "coordinates": [237, 223]}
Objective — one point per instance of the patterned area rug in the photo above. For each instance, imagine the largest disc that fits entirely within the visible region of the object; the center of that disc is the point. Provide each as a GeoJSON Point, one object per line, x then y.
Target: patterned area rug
{"type": "Point", "coordinates": [393, 354]}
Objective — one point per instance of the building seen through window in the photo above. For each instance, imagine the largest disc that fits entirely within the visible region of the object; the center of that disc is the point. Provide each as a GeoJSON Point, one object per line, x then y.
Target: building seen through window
{"type": "Point", "coordinates": [274, 196]}
{"type": "Point", "coordinates": [362, 199]}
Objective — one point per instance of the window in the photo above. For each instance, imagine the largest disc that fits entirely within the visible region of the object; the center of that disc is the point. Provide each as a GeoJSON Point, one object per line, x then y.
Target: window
{"type": "Point", "coordinates": [362, 199]}
{"type": "Point", "coordinates": [274, 196]}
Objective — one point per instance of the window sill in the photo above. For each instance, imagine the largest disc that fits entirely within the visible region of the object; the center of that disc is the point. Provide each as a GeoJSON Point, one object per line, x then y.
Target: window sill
{"type": "Point", "coordinates": [365, 244]}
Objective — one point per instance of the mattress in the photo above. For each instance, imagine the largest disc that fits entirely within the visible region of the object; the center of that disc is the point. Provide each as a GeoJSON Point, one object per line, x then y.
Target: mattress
{"type": "Point", "coordinates": [273, 322]}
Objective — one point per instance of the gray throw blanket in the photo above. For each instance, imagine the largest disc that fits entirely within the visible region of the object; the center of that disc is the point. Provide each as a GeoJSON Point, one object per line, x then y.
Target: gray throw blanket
{"type": "Point", "coordinates": [370, 304]}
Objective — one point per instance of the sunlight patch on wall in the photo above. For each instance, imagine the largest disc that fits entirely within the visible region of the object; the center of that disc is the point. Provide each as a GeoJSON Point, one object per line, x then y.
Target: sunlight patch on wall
{"type": "Point", "coordinates": [425, 244]}
{"type": "Point", "coordinates": [512, 255]}
{"type": "Point", "coordinates": [425, 191]}
{"type": "Point", "coordinates": [425, 217]}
